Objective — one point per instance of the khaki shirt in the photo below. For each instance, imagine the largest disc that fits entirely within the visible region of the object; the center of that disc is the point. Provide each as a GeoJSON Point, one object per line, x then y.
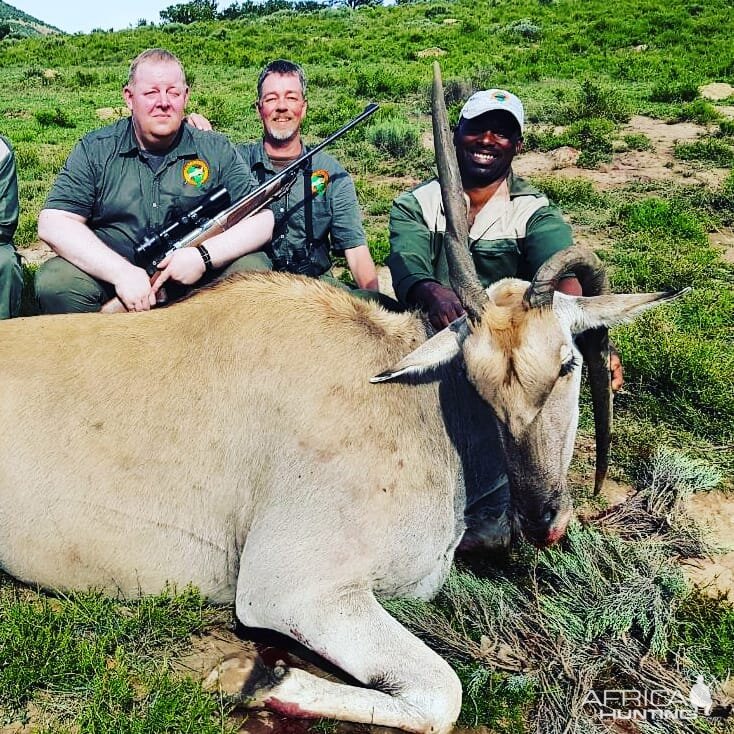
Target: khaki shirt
{"type": "Point", "coordinates": [107, 181]}
{"type": "Point", "coordinates": [512, 235]}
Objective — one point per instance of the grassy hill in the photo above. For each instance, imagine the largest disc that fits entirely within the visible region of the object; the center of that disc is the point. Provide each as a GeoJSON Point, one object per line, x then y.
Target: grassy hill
{"type": "Point", "coordinates": [618, 85]}
{"type": "Point", "coordinates": [21, 24]}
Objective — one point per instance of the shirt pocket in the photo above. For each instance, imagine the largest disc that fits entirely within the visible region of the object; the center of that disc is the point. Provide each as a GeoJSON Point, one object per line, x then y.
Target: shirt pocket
{"type": "Point", "coordinates": [495, 259]}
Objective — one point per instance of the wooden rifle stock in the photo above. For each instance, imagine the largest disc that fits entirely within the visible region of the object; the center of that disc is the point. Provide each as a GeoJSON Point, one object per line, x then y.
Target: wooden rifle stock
{"type": "Point", "coordinates": [247, 206]}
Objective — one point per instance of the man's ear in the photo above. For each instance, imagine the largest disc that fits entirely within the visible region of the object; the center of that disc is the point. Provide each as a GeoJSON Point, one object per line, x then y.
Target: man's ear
{"type": "Point", "coordinates": [518, 146]}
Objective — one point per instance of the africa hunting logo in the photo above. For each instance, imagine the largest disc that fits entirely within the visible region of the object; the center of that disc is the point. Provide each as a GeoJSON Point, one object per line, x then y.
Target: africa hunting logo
{"type": "Point", "coordinates": [196, 172]}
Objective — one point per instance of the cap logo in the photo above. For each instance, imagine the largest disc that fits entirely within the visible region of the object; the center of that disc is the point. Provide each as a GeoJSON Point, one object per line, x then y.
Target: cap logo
{"type": "Point", "coordinates": [196, 173]}
{"type": "Point", "coordinates": [500, 96]}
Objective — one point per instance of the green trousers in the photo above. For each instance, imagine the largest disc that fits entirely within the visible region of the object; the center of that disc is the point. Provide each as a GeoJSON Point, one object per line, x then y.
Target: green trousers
{"type": "Point", "coordinates": [62, 288]}
{"type": "Point", "coordinates": [11, 282]}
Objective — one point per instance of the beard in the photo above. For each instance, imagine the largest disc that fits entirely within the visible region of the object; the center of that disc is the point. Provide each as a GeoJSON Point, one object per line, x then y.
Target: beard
{"type": "Point", "coordinates": [282, 133]}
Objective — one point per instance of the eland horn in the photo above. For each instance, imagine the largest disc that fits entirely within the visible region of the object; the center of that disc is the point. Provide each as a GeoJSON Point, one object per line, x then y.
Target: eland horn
{"type": "Point", "coordinates": [462, 273]}
{"type": "Point", "coordinates": [593, 344]}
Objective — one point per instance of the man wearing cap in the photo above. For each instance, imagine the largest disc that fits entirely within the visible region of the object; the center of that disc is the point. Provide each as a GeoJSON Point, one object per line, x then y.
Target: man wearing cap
{"type": "Point", "coordinates": [513, 229]}
{"type": "Point", "coordinates": [11, 276]}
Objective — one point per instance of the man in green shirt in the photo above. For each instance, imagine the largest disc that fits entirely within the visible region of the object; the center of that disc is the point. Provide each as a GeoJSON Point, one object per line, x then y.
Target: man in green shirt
{"type": "Point", "coordinates": [513, 229]}
{"type": "Point", "coordinates": [11, 276]}
{"type": "Point", "coordinates": [123, 183]}
{"type": "Point", "coordinates": [320, 213]}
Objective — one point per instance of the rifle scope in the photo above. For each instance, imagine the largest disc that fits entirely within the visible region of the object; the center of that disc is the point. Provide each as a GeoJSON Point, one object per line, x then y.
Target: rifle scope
{"type": "Point", "coordinates": [149, 251]}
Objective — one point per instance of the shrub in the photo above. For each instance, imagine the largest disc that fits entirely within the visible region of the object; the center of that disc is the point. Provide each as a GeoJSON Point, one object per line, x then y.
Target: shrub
{"type": "Point", "coordinates": [593, 138]}
{"type": "Point", "coordinates": [524, 28]}
{"type": "Point", "coordinates": [726, 128]}
{"type": "Point", "coordinates": [698, 111]}
{"type": "Point", "coordinates": [706, 150]}
{"type": "Point", "coordinates": [56, 117]}
{"type": "Point", "coordinates": [674, 91]}
{"type": "Point", "coordinates": [637, 141]}
{"type": "Point", "coordinates": [395, 136]}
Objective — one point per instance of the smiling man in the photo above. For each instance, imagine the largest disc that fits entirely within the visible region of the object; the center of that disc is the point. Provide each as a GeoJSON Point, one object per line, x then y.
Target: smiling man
{"type": "Point", "coordinates": [513, 229]}
{"type": "Point", "coordinates": [320, 213]}
{"type": "Point", "coordinates": [130, 179]}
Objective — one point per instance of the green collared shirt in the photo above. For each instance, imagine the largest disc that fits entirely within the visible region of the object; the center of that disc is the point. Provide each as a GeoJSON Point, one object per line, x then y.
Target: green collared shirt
{"type": "Point", "coordinates": [8, 193]}
{"type": "Point", "coordinates": [107, 181]}
{"type": "Point", "coordinates": [512, 235]}
{"type": "Point", "coordinates": [336, 221]}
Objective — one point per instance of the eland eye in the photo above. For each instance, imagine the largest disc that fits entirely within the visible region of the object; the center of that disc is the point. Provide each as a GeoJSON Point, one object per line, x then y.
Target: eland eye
{"type": "Point", "coordinates": [568, 366]}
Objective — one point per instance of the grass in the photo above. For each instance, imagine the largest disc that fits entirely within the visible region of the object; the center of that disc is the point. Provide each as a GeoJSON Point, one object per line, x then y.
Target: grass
{"type": "Point", "coordinates": [95, 665]}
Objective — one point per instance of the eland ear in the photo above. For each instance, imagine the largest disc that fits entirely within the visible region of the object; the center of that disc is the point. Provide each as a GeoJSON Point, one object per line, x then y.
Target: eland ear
{"type": "Point", "coordinates": [583, 313]}
{"type": "Point", "coordinates": [438, 350]}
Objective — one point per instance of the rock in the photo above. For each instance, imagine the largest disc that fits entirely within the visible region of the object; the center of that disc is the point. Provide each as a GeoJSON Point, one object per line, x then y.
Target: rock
{"type": "Point", "coordinates": [111, 113]}
{"type": "Point", "coordinates": [716, 91]}
{"type": "Point", "coordinates": [565, 157]}
{"type": "Point", "coordinates": [428, 52]}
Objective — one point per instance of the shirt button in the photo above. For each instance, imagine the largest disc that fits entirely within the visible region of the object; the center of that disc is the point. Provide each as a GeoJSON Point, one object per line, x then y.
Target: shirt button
{"type": "Point", "coordinates": [282, 237]}
{"type": "Point", "coordinates": [154, 205]}
{"type": "Point", "coordinates": [282, 210]}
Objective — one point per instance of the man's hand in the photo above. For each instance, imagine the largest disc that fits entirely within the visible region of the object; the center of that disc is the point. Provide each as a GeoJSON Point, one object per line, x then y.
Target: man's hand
{"type": "Point", "coordinates": [441, 304]}
{"type": "Point", "coordinates": [134, 290]}
{"type": "Point", "coordinates": [615, 369]}
{"type": "Point", "coordinates": [198, 121]}
{"type": "Point", "coordinates": [184, 266]}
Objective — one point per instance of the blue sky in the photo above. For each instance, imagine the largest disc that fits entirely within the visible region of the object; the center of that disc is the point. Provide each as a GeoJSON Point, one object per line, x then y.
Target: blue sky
{"type": "Point", "coordinates": [84, 15]}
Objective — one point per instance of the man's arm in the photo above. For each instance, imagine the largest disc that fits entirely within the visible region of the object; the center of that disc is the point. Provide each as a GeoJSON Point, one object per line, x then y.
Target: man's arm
{"type": "Point", "coordinates": [69, 237]}
{"type": "Point", "coordinates": [187, 266]}
{"type": "Point", "coordinates": [362, 266]}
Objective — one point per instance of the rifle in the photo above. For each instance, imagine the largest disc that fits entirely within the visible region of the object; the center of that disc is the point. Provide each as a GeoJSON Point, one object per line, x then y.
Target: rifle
{"type": "Point", "coordinates": [215, 214]}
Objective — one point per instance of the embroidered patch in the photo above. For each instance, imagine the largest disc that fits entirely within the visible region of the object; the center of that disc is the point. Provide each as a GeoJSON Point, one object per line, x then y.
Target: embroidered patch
{"type": "Point", "coordinates": [196, 173]}
{"type": "Point", "coordinates": [319, 181]}
{"type": "Point", "coordinates": [500, 96]}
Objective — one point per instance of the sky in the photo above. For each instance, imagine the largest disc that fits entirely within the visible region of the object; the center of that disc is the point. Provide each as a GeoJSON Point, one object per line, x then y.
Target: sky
{"type": "Point", "coordinates": [85, 15]}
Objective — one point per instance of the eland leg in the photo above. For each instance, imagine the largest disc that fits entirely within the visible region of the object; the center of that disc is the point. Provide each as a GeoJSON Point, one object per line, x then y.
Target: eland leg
{"type": "Point", "coordinates": [407, 685]}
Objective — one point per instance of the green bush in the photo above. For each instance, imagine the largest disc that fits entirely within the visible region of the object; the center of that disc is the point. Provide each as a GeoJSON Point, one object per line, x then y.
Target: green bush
{"type": "Point", "coordinates": [674, 91]}
{"type": "Point", "coordinates": [726, 128]}
{"type": "Point", "coordinates": [637, 141]}
{"type": "Point", "coordinates": [524, 28]}
{"type": "Point", "coordinates": [698, 111]}
{"type": "Point", "coordinates": [394, 136]}
{"type": "Point", "coordinates": [56, 117]}
{"type": "Point", "coordinates": [706, 150]}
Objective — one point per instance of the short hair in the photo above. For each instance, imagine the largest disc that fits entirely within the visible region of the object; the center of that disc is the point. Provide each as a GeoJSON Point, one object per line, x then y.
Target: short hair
{"type": "Point", "coordinates": [154, 54]}
{"type": "Point", "coordinates": [282, 66]}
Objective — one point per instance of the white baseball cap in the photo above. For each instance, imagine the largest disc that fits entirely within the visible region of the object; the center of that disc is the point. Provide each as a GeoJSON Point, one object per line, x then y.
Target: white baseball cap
{"type": "Point", "coordinates": [493, 99]}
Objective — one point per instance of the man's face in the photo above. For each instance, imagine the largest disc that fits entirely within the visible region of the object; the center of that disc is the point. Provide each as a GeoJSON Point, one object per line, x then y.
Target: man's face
{"type": "Point", "coordinates": [282, 106]}
{"type": "Point", "coordinates": [156, 98]}
{"type": "Point", "coordinates": [485, 147]}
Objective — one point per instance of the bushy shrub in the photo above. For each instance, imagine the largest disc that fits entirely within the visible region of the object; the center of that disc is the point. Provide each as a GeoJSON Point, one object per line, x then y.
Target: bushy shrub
{"type": "Point", "coordinates": [56, 117]}
{"type": "Point", "coordinates": [637, 141]}
{"type": "Point", "coordinates": [524, 28]}
{"type": "Point", "coordinates": [674, 91]}
{"type": "Point", "coordinates": [698, 111]}
{"type": "Point", "coordinates": [395, 136]}
{"type": "Point", "coordinates": [706, 150]}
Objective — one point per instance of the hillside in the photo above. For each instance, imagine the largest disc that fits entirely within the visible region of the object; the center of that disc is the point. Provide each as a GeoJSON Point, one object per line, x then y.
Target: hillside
{"type": "Point", "coordinates": [21, 24]}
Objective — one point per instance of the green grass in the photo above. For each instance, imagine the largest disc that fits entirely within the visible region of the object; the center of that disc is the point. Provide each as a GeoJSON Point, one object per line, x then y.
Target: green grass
{"type": "Point", "coordinates": [100, 665]}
